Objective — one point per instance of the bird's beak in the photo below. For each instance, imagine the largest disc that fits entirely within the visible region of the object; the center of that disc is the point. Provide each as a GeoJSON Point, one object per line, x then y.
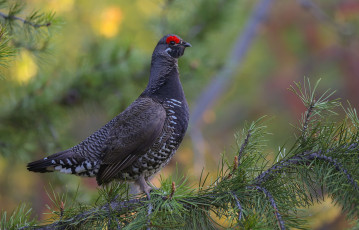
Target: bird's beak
{"type": "Point", "coordinates": [186, 44]}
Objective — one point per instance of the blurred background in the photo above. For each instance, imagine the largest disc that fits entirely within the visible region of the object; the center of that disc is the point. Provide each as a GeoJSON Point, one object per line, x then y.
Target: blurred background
{"type": "Point", "coordinates": [245, 55]}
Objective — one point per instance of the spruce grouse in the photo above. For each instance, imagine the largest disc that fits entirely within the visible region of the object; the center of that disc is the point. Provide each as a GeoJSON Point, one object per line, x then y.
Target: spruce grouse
{"type": "Point", "coordinates": [142, 139]}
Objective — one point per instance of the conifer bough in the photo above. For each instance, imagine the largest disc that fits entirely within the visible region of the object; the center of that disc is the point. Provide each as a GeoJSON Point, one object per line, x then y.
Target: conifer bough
{"type": "Point", "coordinates": [251, 192]}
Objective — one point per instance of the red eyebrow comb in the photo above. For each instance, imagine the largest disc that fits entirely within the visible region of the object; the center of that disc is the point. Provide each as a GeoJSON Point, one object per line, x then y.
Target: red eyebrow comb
{"type": "Point", "coordinates": [172, 38]}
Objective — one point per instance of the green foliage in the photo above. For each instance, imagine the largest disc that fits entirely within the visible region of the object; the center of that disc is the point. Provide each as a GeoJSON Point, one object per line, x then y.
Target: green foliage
{"type": "Point", "coordinates": [6, 51]}
{"type": "Point", "coordinates": [31, 32]}
{"type": "Point", "coordinates": [20, 217]}
{"type": "Point", "coordinates": [317, 107]}
{"type": "Point", "coordinates": [248, 193]}
{"type": "Point", "coordinates": [353, 116]}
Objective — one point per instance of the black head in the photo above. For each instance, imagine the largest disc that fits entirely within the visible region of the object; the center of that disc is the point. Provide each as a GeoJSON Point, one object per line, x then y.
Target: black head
{"type": "Point", "coordinates": [172, 45]}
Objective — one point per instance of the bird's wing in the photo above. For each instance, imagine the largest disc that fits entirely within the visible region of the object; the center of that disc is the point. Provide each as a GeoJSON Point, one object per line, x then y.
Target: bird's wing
{"type": "Point", "coordinates": [132, 133]}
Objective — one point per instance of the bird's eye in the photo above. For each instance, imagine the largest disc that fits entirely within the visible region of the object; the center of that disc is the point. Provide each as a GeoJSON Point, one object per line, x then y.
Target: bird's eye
{"type": "Point", "coordinates": [172, 42]}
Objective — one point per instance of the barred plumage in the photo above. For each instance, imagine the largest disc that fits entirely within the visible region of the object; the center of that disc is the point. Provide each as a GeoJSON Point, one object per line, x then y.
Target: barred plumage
{"type": "Point", "coordinates": [143, 138]}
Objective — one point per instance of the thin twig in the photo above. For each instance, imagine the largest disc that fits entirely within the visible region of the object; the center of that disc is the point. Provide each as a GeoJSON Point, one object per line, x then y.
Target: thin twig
{"type": "Point", "coordinates": [92, 214]}
{"type": "Point", "coordinates": [300, 159]}
{"type": "Point", "coordinates": [339, 167]}
{"type": "Point", "coordinates": [118, 224]}
{"type": "Point", "coordinates": [239, 206]}
{"type": "Point", "coordinates": [273, 204]}
{"type": "Point", "coordinates": [150, 207]}
{"type": "Point", "coordinates": [148, 216]}
{"type": "Point", "coordinates": [277, 168]}
{"type": "Point", "coordinates": [109, 217]}
{"type": "Point", "coordinates": [307, 119]}
{"type": "Point", "coordinates": [244, 145]}
{"type": "Point", "coordinates": [13, 17]}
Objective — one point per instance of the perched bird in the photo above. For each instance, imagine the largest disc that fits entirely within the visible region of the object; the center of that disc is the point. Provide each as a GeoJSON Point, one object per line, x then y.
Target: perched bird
{"type": "Point", "coordinates": [142, 139]}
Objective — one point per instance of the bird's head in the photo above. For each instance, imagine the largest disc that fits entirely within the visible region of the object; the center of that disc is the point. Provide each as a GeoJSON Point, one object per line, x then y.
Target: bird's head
{"type": "Point", "coordinates": [172, 45]}
{"type": "Point", "coordinates": [164, 64]}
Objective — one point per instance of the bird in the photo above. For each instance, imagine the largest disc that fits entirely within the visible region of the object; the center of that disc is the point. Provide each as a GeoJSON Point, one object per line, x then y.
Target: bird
{"type": "Point", "coordinates": [142, 139]}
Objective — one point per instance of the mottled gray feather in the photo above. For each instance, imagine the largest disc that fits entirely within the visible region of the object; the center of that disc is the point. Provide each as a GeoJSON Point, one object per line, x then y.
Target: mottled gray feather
{"type": "Point", "coordinates": [131, 134]}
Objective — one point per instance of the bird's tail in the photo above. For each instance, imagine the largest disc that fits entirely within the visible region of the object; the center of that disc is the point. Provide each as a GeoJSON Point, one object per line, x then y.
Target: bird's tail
{"type": "Point", "coordinates": [64, 162]}
{"type": "Point", "coordinates": [48, 164]}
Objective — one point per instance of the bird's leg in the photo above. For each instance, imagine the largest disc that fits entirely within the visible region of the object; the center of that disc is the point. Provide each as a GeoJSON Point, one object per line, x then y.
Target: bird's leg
{"type": "Point", "coordinates": [144, 186]}
{"type": "Point", "coordinates": [147, 189]}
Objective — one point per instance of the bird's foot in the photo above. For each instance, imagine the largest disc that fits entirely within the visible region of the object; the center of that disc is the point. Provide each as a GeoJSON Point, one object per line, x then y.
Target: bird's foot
{"type": "Point", "coordinates": [147, 189]}
{"type": "Point", "coordinates": [144, 186]}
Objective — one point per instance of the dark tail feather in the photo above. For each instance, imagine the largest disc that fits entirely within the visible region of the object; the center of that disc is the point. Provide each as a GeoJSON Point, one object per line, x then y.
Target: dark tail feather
{"type": "Point", "coordinates": [41, 166]}
{"type": "Point", "coordinates": [47, 164]}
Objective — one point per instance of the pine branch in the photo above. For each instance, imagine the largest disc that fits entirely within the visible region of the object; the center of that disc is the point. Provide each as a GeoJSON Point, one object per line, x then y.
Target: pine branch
{"type": "Point", "coordinates": [212, 197]}
{"type": "Point", "coordinates": [33, 36]}
{"type": "Point", "coordinates": [244, 145]}
{"type": "Point", "coordinates": [307, 119]}
{"type": "Point", "coordinates": [327, 158]}
{"type": "Point", "coordinates": [273, 204]}
{"type": "Point", "coordinates": [6, 51]}
{"type": "Point", "coordinates": [13, 17]}
{"type": "Point", "coordinates": [21, 216]}
{"type": "Point", "coordinates": [238, 205]}
{"type": "Point", "coordinates": [305, 158]}
{"type": "Point", "coordinates": [93, 214]}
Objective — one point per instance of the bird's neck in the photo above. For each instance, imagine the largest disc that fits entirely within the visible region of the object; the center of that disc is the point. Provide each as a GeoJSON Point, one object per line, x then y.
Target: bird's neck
{"type": "Point", "coordinates": [164, 79]}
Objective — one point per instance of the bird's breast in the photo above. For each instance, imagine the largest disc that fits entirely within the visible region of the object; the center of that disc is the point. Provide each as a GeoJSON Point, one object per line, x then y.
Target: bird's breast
{"type": "Point", "coordinates": [164, 147]}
